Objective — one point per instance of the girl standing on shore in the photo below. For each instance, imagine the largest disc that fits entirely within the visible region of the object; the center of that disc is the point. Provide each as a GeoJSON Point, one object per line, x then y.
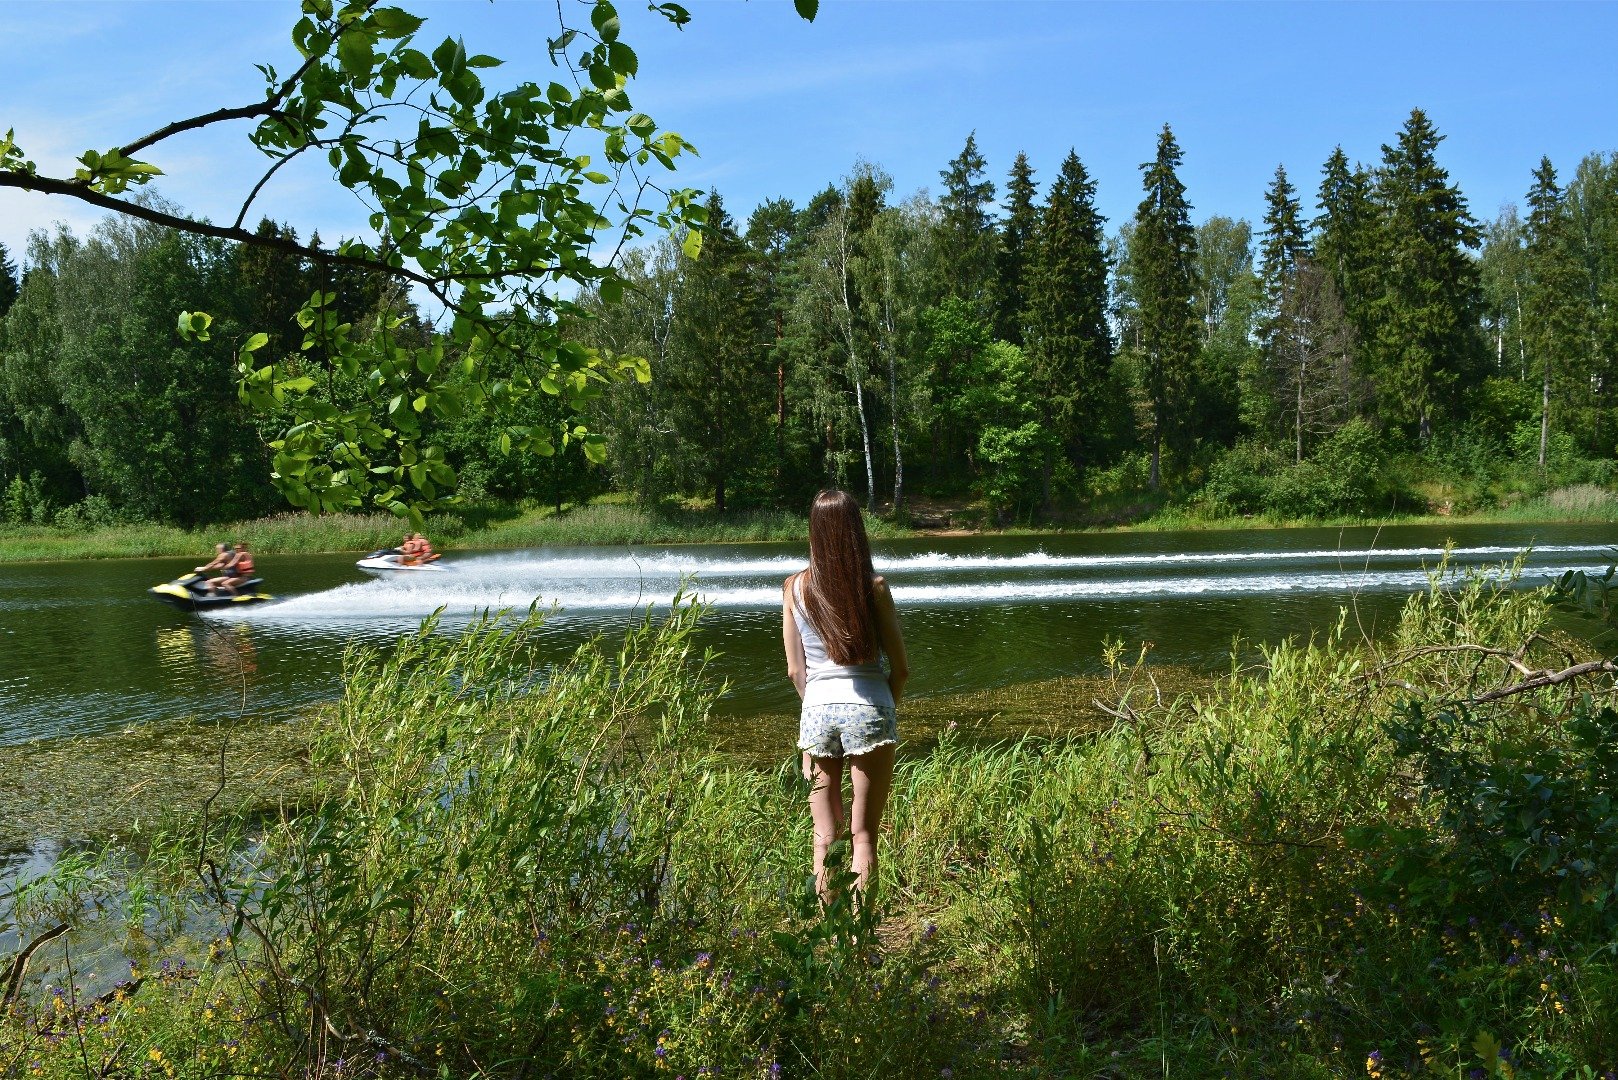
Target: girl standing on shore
{"type": "Point", "coordinates": [838, 622]}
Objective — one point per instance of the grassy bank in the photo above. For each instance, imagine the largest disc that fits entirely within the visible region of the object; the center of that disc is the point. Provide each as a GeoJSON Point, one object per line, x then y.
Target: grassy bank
{"type": "Point", "coordinates": [478, 527]}
{"type": "Point", "coordinates": [1297, 872]}
{"type": "Point", "coordinates": [606, 523]}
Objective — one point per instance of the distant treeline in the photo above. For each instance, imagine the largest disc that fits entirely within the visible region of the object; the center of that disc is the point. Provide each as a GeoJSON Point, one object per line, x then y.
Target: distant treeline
{"type": "Point", "coordinates": [1335, 358]}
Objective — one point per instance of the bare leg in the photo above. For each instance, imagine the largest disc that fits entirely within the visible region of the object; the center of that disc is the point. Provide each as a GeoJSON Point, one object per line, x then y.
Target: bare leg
{"type": "Point", "coordinates": [826, 808]}
{"type": "Point", "coordinates": [872, 774]}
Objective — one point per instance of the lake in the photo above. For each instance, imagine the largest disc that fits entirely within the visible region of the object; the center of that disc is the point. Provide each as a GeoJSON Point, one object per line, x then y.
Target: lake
{"type": "Point", "coordinates": [84, 649]}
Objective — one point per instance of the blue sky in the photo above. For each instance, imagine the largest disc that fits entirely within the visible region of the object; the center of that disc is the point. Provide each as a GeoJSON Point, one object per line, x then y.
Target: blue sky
{"type": "Point", "coordinates": [781, 107]}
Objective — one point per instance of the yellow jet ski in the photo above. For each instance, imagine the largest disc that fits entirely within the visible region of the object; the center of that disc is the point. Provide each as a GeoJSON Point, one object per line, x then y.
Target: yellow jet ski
{"type": "Point", "coordinates": [191, 593]}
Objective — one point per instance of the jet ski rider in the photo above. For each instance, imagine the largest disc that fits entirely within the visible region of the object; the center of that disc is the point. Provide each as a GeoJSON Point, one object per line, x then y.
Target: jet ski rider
{"type": "Point", "coordinates": [222, 559]}
{"type": "Point", "coordinates": [238, 572]}
{"type": "Point", "coordinates": [416, 550]}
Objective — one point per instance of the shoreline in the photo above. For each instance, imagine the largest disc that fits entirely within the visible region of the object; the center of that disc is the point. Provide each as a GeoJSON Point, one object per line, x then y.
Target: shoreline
{"type": "Point", "coordinates": [616, 525]}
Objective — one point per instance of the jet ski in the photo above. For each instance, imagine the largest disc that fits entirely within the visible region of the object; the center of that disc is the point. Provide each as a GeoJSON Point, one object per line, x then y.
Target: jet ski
{"type": "Point", "coordinates": [191, 593]}
{"type": "Point", "coordinates": [391, 559]}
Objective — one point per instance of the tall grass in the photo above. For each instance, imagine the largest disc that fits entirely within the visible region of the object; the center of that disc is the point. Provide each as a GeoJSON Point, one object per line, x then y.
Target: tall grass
{"type": "Point", "coordinates": [469, 527]}
{"type": "Point", "coordinates": [513, 870]}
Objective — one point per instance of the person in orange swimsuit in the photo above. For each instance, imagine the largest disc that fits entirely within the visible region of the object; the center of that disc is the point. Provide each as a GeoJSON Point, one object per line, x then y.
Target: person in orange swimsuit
{"type": "Point", "coordinates": [237, 574]}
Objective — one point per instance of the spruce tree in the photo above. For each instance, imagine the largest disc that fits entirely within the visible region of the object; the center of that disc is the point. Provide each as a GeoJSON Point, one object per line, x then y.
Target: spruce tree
{"type": "Point", "coordinates": [10, 283]}
{"type": "Point", "coordinates": [1551, 315]}
{"type": "Point", "coordinates": [721, 391]}
{"type": "Point", "coordinates": [1283, 250]}
{"type": "Point", "coordinates": [774, 240]}
{"type": "Point", "coordinates": [1426, 343]}
{"type": "Point", "coordinates": [1285, 242]}
{"type": "Point", "coordinates": [1017, 237]}
{"type": "Point", "coordinates": [1346, 237]}
{"type": "Point", "coordinates": [966, 230]}
{"type": "Point", "coordinates": [1069, 342]}
{"type": "Point", "coordinates": [1163, 251]}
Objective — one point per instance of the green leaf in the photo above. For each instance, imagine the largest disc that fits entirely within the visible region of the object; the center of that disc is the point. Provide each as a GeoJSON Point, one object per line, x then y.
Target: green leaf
{"type": "Point", "coordinates": [255, 343]}
{"type": "Point", "coordinates": [674, 13]}
{"type": "Point", "coordinates": [194, 324]}
{"type": "Point", "coordinates": [692, 244]}
{"type": "Point", "coordinates": [416, 64]}
{"type": "Point", "coordinates": [354, 52]}
{"type": "Point", "coordinates": [1487, 1048]}
{"type": "Point", "coordinates": [622, 58]}
{"type": "Point", "coordinates": [450, 57]}
{"type": "Point", "coordinates": [604, 17]}
{"type": "Point", "coordinates": [808, 9]}
{"type": "Point", "coordinates": [612, 289]}
{"type": "Point", "coordinates": [395, 22]}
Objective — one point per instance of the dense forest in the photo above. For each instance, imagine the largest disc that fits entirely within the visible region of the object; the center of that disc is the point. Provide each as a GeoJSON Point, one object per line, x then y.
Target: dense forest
{"type": "Point", "coordinates": [1355, 351]}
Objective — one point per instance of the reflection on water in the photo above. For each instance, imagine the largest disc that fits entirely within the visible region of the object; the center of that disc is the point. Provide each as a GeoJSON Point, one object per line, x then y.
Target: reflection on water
{"type": "Point", "coordinates": [83, 649]}
{"type": "Point", "coordinates": [206, 650]}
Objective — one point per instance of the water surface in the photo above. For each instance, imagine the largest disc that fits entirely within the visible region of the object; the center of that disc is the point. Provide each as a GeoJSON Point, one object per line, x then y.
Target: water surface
{"type": "Point", "coordinates": [84, 649]}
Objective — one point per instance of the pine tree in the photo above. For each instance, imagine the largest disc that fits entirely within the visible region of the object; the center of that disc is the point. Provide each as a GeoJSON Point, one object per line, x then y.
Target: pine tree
{"type": "Point", "coordinates": [1346, 237]}
{"type": "Point", "coordinates": [1163, 254]}
{"type": "Point", "coordinates": [1285, 242]}
{"type": "Point", "coordinates": [1069, 341]}
{"type": "Point", "coordinates": [1017, 237]}
{"type": "Point", "coordinates": [967, 240]}
{"type": "Point", "coordinates": [1551, 297]}
{"type": "Point", "coordinates": [1426, 316]}
{"type": "Point", "coordinates": [720, 386]}
{"type": "Point", "coordinates": [10, 283]}
{"type": "Point", "coordinates": [774, 240]}
{"type": "Point", "coordinates": [1284, 249]}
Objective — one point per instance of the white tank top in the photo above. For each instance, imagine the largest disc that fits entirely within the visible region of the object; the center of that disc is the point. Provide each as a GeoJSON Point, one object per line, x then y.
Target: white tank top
{"type": "Point", "coordinates": [830, 683]}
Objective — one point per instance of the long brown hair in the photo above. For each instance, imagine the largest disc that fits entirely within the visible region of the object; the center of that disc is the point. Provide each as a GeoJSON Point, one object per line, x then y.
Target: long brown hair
{"type": "Point", "coordinates": [837, 598]}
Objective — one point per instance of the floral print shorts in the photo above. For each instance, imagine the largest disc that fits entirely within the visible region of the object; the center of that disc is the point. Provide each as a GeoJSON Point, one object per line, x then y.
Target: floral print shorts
{"type": "Point", "coordinates": [834, 731]}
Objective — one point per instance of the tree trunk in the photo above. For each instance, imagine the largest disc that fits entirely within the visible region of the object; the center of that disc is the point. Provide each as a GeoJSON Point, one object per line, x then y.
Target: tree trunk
{"type": "Point", "coordinates": [780, 404]}
{"type": "Point", "coordinates": [1298, 427]}
{"type": "Point", "coordinates": [854, 371]}
{"type": "Point", "coordinates": [865, 439]}
{"type": "Point", "coordinates": [1544, 414]}
{"type": "Point", "coordinates": [898, 454]}
{"type": "Point", "coordinates": [719, 494]}
{"type": "Point", "coordinates": [1157, 450]}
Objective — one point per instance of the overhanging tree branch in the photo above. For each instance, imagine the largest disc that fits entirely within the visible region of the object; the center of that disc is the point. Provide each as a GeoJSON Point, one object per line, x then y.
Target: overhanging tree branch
{"type": "Point", "coordinates": [74, 189]}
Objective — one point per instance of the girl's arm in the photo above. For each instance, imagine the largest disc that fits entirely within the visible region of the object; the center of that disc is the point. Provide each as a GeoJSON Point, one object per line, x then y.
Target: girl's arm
{"type": "Point", "coordinates": [791, 638]}
{"type": "Point", "coordinates": [795, 661]}
{"type": "Point", "coordinates": [892, 642]}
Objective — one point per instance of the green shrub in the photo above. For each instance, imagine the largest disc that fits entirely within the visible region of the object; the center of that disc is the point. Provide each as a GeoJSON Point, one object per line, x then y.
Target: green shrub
{"type": "Point", "coordinates": [1240, 481]}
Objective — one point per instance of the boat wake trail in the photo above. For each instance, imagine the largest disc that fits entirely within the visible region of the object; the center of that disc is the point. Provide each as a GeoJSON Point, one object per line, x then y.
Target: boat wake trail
{"type": "Point", "coordinates": [615, 583]}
